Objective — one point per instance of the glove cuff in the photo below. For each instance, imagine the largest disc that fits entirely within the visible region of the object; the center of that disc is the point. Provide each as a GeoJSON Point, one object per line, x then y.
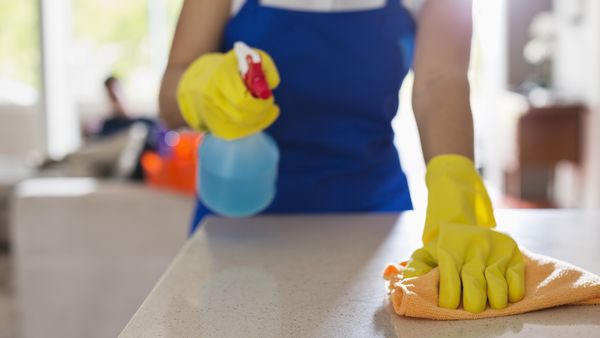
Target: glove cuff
{"type": "Point", "coordinates": [444, 164]}
{"type": "Point", "coordinates": [456, 194]}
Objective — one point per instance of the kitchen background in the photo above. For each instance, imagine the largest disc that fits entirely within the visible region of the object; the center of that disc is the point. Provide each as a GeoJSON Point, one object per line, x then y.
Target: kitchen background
{"type": "Point", "coordinates": [73, 201]}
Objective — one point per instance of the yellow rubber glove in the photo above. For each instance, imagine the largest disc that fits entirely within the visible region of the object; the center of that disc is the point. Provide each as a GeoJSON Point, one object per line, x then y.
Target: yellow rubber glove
{"type": "Point", "coordinates": [212, 97]}
{"type": "Point", "coordinates": [473, 259]}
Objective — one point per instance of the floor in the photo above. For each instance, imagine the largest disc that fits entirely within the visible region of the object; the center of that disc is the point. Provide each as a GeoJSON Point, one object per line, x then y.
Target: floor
{"type": "Point", "coordinates": [7, 311]}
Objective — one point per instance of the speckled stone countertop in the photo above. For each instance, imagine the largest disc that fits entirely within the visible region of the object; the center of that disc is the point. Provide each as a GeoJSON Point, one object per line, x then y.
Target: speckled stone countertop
{"type": "Point", "coordinates": [320, 276]}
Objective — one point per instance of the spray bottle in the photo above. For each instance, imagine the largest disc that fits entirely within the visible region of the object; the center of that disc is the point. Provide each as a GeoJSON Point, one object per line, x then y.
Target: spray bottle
{"type": "Point", "coordinates": [237, 178]}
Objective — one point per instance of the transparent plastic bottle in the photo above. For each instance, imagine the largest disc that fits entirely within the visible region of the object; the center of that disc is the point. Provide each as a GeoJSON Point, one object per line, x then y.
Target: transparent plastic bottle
{"type": "Point", "coordinates": [237, 178]}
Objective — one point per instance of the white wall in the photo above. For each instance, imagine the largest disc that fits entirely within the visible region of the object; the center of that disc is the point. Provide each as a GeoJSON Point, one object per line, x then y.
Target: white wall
{"type": "Point", "coordinates": [488, 84]}
{"type": "Point", "coordinates": [60, 120]}
{"type": "Point", "coordinates": [520, 13]}
{"type": "Point", "coordinates": [577, 77]}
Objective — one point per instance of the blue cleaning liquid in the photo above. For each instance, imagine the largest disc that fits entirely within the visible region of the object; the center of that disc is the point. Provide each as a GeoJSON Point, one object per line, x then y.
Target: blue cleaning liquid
{"type": "Point", "coordinates": [237, 178]}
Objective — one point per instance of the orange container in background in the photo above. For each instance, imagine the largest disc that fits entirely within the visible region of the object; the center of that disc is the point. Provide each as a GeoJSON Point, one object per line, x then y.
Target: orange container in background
{"type": "Point", "coordinates": [175, 168]}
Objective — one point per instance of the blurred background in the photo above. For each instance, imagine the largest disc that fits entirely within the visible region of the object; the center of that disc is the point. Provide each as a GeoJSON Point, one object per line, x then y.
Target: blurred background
{"type": "Point", "coordinates": [86, 167]}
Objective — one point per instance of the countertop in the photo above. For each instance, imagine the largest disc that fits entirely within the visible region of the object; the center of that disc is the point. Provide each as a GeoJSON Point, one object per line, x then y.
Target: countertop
{"type": "Point", "coordinates": [320, 276]}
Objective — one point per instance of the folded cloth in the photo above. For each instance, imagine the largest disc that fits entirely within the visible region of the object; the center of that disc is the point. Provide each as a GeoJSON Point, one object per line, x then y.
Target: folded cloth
{"type": "Point", "coordinates": [548, 283]}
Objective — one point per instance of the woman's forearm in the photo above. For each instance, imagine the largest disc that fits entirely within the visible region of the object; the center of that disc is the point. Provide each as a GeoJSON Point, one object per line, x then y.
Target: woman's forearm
{"type": "Point", "coordinates": [443, 115]}
{"type": "Point", "coordinates": [167, 100]}
{"type": "Point", "coordinates": [441, 87]}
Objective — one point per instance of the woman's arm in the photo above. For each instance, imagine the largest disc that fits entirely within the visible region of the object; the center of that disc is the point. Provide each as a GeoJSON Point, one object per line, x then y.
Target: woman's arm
{"type": "Point", "coordinates": [441, 88]}
{"type": "Point", "coordinates": [199, 30]}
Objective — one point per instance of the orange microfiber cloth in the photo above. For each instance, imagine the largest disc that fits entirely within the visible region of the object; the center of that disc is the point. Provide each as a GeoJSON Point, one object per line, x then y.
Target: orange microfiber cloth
{"type": "Point", "coordinates": [548, 283]}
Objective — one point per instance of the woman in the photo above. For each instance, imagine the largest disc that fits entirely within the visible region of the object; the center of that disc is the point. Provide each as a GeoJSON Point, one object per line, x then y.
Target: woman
{"type": "Point", "coordinates": [341, 64]}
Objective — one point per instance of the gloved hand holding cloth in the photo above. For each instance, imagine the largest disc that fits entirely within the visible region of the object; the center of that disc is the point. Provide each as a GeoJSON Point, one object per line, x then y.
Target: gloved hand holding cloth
{"type": "Point", "coordinates": [213, 97]}
{"type": "Point", "coordinates": [464, 258]}
{"type": "Point", "coordinates": [476, 263]}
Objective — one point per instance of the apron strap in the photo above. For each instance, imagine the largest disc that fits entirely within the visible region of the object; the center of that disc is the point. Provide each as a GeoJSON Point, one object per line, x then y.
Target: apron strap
{"type": "Point", "coordinates": [388, 3]}
{"type": "Point", "coordinates": [392, 4]}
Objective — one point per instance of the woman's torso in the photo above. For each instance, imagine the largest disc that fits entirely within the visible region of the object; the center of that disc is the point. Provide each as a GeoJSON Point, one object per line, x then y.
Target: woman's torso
{"type": "Point", "coordinates": [341, 70]}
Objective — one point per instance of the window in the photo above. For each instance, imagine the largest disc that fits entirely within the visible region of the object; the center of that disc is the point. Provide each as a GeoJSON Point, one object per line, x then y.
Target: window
{"type": "Point", "coordinates": [19, 55]}
{"type": "Point", "coordinates": [129, 39]}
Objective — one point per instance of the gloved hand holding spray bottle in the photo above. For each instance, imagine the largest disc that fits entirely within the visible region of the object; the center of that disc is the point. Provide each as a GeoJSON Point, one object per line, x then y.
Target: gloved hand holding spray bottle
{"type": "Point", "coordinates": [238, 162]}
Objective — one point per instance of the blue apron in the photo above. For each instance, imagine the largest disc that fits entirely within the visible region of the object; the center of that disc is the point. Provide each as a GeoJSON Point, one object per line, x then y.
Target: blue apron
{"type": "Point", "coordinates": [340, 76]}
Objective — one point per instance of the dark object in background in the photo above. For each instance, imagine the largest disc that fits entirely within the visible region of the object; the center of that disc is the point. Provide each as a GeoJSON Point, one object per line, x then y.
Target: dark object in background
{"type": "Point", "coordinates": [546, 136]}
{"type": "Point", "coordinates": [117, 124]}
{"type": "Point", "coordinates": [119, 121]}
{"type": "Point", "coordinates": [153, 129]}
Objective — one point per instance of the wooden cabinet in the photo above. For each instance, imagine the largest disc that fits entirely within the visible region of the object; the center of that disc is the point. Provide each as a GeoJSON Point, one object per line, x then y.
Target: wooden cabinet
{"type": "Point", "coordinates": [546, 136]}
